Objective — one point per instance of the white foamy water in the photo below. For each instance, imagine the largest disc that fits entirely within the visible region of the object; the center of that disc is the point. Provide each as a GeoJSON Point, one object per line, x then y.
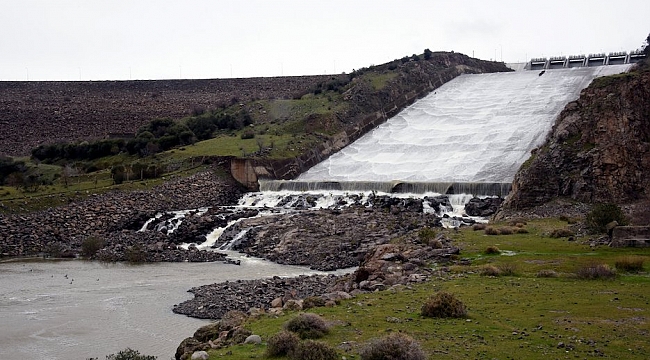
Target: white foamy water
{"type": "Point", "coordinates": [100, 309]}
{"type": "Point", "coordinates": [475, 128]}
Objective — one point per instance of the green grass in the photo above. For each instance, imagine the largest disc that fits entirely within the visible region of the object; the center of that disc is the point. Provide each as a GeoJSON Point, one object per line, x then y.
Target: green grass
{"type": "Point", "coordinates": [379, 81]}
{"type": "Point", "coordinates": [509, 317]}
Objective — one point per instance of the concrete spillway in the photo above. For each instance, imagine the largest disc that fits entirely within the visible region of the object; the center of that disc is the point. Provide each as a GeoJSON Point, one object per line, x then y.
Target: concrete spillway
{"type": "Point", "coordinates": [474, 129]}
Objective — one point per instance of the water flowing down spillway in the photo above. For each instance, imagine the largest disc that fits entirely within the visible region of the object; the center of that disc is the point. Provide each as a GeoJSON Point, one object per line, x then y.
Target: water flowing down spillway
{"type": "Point", "coordinates": [474, 129]}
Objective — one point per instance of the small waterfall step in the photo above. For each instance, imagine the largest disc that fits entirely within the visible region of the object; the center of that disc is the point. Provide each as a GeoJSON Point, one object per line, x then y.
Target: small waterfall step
{"type": "Point", "coordinates": [500, 189]}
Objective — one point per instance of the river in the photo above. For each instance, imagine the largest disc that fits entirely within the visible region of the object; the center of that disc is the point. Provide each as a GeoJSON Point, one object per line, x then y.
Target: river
{"type": "Point", "coordinates": [80, 309]}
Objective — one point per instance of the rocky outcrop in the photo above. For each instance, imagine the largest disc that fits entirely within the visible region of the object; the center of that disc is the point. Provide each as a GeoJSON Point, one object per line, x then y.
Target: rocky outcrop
{"type": "Point", "coordinates": [597, 151]}
{"type": "Point", "coordinates": [324, 240]}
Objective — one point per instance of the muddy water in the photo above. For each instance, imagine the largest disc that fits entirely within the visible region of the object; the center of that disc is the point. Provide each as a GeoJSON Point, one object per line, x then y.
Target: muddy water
{"type": "Point", "coordinates": [80, 309]}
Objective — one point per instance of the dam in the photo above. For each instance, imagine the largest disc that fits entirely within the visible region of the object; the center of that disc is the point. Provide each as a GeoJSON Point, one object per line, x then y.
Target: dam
{"type": "Point", "coordinates": [471, 135]}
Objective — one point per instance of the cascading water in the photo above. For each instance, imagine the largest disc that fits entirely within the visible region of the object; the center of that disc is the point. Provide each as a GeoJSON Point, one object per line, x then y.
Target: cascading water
{"type": "Point", "coordinates": [473, 129]}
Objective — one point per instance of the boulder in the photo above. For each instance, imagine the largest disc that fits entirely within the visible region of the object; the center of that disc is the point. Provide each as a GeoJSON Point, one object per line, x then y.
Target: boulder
{"type": "Point", "coordinates": [200, 355]}
{"type": "Point", "coordinates": [253, 339]}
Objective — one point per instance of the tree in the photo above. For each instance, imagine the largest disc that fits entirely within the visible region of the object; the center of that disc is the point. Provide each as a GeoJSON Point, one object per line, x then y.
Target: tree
{"type": "Point", "coordinates": [646, 47]}
{"type": "Point", "coordinates": [427, 54]}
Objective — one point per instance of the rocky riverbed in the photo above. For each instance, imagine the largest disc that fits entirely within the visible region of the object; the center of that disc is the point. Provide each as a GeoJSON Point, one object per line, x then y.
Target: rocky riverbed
{"type": "Point", "coordinates": [114, 218]}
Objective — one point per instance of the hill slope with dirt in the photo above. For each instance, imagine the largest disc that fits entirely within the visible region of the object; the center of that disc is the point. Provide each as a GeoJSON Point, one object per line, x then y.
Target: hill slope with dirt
{"type": "Point", "coordinates": [37, 112]}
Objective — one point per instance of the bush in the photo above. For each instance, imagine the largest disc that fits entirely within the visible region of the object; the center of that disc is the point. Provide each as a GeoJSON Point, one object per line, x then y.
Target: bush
{"type": "Point", "coordinates": [313, 350]}
{"type": "Point", "coordinates": [596, 271]}
{"type": "Point", "coordinates": [546, 273]}
{"type": "Point", "coordinates": [477, 227]}
{"type": "Point", "coordinates": [395, 346]}
{"type": "Point", "coordinates": [426, 233]}
{"type": "Point", "coordinates": [490, 270]}
{"type": "Point", "coordinates": [630, 264]}
{"type": "Point", "coordinates": [603, 214]}
{"type": "Point", "coordinates": [444, 305]}
{"type": "Point", "coordinates": [90, 246]}
{"type": "Point", "coordinates": [491, 231]}
{"type": "Point", "coordinates": [505, 231]}
{"type": "Point", "coordinates": [508, 269]}
{"type": "Point", "coordinates": [135, 254]}
{"type": "Point", "coordinates": [307, 326]}
{"type": "Point", "coordinates": [560, 233]}
{"type": "Point", "coordinates": [129, 354]}
{"type": "Point", "coordinates": [282, 344]}
{"type": "Point", "coordinates": [492, 250]}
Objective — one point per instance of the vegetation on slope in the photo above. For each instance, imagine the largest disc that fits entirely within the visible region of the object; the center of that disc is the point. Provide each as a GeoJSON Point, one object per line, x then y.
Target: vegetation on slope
{"type": "Point", "coordinates": [543, 308]}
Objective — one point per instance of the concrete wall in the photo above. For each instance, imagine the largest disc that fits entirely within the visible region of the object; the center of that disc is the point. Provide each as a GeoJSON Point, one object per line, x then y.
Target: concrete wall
{"type": "Point", "coordinates": [631, 236]}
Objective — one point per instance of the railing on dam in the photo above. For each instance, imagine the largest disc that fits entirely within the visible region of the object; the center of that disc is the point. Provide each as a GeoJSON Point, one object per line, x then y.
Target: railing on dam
{"type": "Point", "coordinates": [571, 61]}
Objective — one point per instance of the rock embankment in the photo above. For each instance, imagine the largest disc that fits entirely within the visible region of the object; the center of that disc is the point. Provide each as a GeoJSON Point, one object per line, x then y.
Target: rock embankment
{"type": "Point", "coordinates": [114, 218]}
{"type": "Point", "coordinates": [35, 112]}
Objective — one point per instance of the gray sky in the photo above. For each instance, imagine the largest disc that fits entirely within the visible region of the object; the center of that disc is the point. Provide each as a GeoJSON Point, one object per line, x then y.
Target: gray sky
{"type": "Point", "coordinates": [162, 39]}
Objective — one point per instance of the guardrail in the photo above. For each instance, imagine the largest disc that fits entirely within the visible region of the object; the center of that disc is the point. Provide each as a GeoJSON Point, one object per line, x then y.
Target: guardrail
{"type": "Point", "coordinates": [598, 59]}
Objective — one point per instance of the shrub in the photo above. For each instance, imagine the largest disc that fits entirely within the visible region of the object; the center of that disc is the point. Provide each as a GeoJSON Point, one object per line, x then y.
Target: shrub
{"type": "Point", "coordinates": [313, 301]}
{"type": "Point", "coordinates": [546, 273]}
{"type": "Point", "coordinates": [307, 326]}
{"type": "Point", "coordinates": [601, 215]}
{"type": "Point", "coordinates": [425, 234]}
{"type": "Point", "coordinates": [129, 354]}
{"type": "Point", "coordinates": [135, 254]}
{"type": "Point", "coordinates": [443, 305]}
{"type": "Point", "coordinates": [477, 227]}
{"type": "Point", "coordinates": [282, 344]}
{"type": "Point", "coordinates": [490, 270]}
{"type": "Point", "coordinates": [508, 269]}
{"type": "Point", "coordinates": [596, 271]}
{"type": "Point", "coordinates": [521, 230]}
{"type": "Point", "coordinates": [505, 231]}
{"type": "Point", "coordinates": [248, 134]}
{"type": "Point", "coordinates": [560, 233]}
{"type": "Point", "coordinates": [630, 264]}
{"type": "Point", "coordinates": [491, 231]}
{"type": "Point", "coordinates": [90, 246]}
{"type": "Point", "coordinates": [492, 250]}
{"type": "Point", "coordinates": [395, 346]}
{"type": "Point", "coordinates": [313, 350]}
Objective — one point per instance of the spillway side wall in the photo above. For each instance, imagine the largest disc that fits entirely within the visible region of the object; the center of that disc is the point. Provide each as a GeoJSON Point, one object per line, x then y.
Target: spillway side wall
{"type": "Point", "coordinates": [248, 171]}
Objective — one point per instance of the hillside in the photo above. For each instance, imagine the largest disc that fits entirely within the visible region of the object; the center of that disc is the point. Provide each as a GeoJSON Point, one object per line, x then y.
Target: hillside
{"type": "Point", "coordinates": [37, 112]}
{"type": "Point", "coordinates": [598, 150]}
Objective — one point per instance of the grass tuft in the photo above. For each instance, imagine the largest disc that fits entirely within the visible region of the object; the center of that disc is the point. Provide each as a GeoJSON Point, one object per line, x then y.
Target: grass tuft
{"type": "Point", "coordinates": [308, 326]}
{"type": "Point", "coordinates": [394, 346]}
{"type": "Point", "coordinates": [444, 305]}
{"type": "Point", "coordinates": [595, 272]}
{"type": "Point", "coordinates": [313, 350]}
{"type": "Point", "coordinates": [282, 344]}
{"type": "Point", "coordinates": [631, 264]}
{"type": "Point", "coordinates": [492, 250]}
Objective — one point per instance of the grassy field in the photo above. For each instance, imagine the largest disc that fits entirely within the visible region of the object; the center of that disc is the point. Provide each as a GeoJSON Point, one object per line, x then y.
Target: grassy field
{"type": "Point", "coordinates": [521, 316]}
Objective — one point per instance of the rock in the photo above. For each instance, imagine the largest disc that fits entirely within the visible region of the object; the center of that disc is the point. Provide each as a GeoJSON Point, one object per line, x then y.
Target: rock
{"type": "Point", "coordinates": [253, 339]}
{"type": "Point", "coordinates": [207, 332]}
{"type": "Point", "coordinates": [483, 207]}
{"type": "Point", "coordinates": [292, 305]}
{"type": "Point", "coordinates": [276, 303]}
{"type": "Point", "coordinates": [188, 345]}
{"type": "Point", "coordinates": [200, 355]}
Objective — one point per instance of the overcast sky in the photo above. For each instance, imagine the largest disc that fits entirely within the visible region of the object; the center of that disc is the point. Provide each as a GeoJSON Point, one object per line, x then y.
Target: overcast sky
{"type": "Point", "coordinates": [162, 39]}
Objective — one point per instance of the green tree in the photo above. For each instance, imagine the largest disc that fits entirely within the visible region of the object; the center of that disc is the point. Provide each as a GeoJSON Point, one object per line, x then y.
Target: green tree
{"type": "Point", "coordinates": [427, 54]}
